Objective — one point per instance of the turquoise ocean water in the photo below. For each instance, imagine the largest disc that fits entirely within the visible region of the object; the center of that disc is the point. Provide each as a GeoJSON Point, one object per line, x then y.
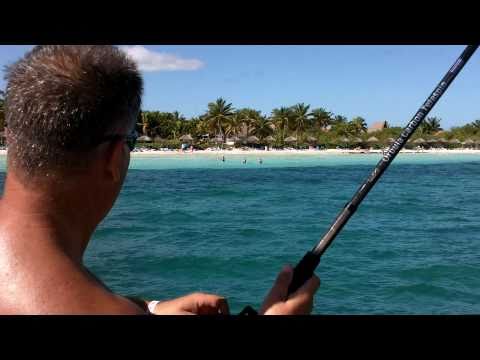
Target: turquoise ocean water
{"type": "Point", "coordinates": [192, 223]}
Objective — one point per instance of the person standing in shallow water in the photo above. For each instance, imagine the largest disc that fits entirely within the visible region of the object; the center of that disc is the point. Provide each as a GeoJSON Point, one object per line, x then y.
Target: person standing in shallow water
{"type": "Point", "coordinates": [71, 113]}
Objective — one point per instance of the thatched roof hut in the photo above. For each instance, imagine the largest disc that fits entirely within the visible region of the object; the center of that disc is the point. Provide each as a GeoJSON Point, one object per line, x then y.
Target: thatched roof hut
{"type": "Point", "coordinates": [311, 139]}
{"type": "Point", "coordinates": [253, 139]}
{"type": "Point", "coordinates": [186, 138]}
{"type": "Point", "coordinates": [372, 139]}
{"type": "Point", "coordinates": [290, 139]}
{"type": "Point", "coordinates": [419, 141]}
{"type": "Point", "coordinates": [269, 139]}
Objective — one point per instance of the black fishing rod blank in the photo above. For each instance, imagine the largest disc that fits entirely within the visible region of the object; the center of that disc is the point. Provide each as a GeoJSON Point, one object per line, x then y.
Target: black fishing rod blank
{"type": "Point", "coordinates": [305, 268]}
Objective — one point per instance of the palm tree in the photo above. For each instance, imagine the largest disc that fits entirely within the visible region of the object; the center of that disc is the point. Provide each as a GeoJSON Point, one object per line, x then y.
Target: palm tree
{"type": "Point", "coordinates": [359, 125]}
{"type": "Point", "coordinates": [476, 125]}
{"type": "Point", "coordinates": [300, 116]}
{"type": "Point", "coordinates": [177, 119]}
{"type": "Point", "coordinates": [262, 127]}
{"type": "Point", "coordinates": [2, 110]}
{"type": "Point", "coordinates": [339, 119]}
{"type": "Point", "coordinates": [218, 114]}
{"type": "Point", "coordinates": [143, 122]}
{"type": "Point", "coordinates": [321, 118]}
{"type": "Point", "coordinates": [430, 125]}
{"type": "Point", "coordinates": [280, 117]}
{"type": "Point", "coordinates": [248, 118]}
{"type": "Point", "coordinates": [233, 125]}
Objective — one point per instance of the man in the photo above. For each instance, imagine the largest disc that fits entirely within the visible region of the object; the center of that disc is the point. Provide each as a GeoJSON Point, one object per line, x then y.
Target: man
{"type": "Point", "coordinates": [71, 114]}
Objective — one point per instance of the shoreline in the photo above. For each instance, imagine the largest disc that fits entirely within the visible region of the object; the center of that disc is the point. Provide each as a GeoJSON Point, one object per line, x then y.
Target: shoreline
{"type": "Point", "coordinates": [289, 152]}
{"type": "Point", "coordinates": [295, 152]}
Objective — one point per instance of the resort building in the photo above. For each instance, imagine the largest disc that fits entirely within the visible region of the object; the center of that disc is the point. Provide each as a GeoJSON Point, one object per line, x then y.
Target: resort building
{"type": "Point", "coordinates": [377, 126]}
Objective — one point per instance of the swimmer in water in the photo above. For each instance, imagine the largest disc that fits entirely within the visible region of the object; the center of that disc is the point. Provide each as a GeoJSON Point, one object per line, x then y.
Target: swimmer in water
{"type": "Point", "coordinates": [223, 158]}
{"type": "Point", "coordinates": [260, 161]}
{"type": "Point", "coordinates": [244, 161]}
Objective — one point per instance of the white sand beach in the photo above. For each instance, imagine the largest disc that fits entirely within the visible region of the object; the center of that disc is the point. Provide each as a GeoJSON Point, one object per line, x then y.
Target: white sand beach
{"type": "Point", "coordinates": [295, 152]}
{"type": "Point", "coordinates": [289, 152]}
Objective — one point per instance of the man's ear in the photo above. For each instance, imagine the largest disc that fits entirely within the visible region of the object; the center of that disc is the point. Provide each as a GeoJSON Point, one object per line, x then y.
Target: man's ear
{"type": "Point", "coordinates": [114, 158]}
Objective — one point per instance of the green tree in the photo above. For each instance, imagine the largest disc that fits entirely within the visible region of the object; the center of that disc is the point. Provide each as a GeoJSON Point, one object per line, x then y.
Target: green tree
{"type": "Point", "coordinates": [234, 125]}
{"type": "Point", "coordinates": [358, 125]}
{"type": "Point", "coordinates": [343, 129]}
{"type": "Point", "coordinates": [218, 115]}
{"type": "Point", "coordinates": [262, 128]}
{"type": "Point", "coordinates": [339, 119]}
{"type": "Point", "coordinates": [321, 118]}
{"type": "Point", "coordinates": [280, 118]}
{"type": "Point", "coordinates": [142, 123]}
{"type": "Point", "coordinates": [248, 118]}
{"type": "Point", "coordinates": [177, 123]}
{"type": "Point", "coordinates": [430, 126]}
{"type": "Point", "coordinates": [476, 125]}
{"type": "Point", "coordinates": [2, 110]}
{"type": "Point", "coordinates": [300, 117]}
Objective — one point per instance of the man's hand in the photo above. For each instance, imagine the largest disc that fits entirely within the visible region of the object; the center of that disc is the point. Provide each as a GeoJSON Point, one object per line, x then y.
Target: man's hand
{"type": "Point", "coordinates": [299, 303]}
{"type": "Point", "coordinates": [193, 304]}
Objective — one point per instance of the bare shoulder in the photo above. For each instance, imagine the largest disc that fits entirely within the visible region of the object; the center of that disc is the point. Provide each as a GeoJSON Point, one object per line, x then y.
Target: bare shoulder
{"type": "Point", "coordinates": [59, 287]}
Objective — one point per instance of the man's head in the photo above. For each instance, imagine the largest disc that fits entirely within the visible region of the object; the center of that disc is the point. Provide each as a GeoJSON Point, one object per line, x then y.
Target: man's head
{"type": "Point", "coordinates": [68, 111]}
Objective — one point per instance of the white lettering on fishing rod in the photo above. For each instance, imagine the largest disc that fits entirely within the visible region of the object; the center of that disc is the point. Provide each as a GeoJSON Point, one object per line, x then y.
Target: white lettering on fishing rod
{"type": "Point", "coordinates": [412, 125]}
{"type": "Point", "coordinates": [454, 67]}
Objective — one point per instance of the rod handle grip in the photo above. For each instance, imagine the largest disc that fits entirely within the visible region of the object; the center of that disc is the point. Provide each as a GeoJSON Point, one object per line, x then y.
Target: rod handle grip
{"type": "Point", "coordinates": [303, 271]}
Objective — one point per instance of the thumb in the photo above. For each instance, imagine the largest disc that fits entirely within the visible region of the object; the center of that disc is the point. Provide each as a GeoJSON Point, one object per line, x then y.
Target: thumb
{"type": "Point", "coordinates": [279, 291]}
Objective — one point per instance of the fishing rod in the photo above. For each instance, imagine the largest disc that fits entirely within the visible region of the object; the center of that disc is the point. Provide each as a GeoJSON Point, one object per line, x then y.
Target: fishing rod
{"type": "Point", "coordinates": [305, 268]}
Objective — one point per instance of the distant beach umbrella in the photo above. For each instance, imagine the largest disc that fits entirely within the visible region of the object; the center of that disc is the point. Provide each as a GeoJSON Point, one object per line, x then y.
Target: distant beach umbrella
{"type": "Point", "coordinates": [290, 139]}
{"type": "Point", "coordinates": [432, 141]}
{"type": "Point", "coordinates": [186, 138]}
{"type": "Point", "coordinates": [144, 138]}
{"type": "Point", "coordinates": [442, 141]}
{"type": "Point", "coordinates": [311, 139]}
{"type": "Point", "coordinates": [372, 139]}
{"type": "Point", "coordinates": [419, 141]}
{"type": "Point", "coordinates": [454, 141]}
{"type": "Point", "coordinates": [469, 142]}
{"type": "Point", "coordinates": [218, 139]}
{"type": "Point", "coordinates": [252, 139]}
{"type": "Point", "coordinates": [269, 139]}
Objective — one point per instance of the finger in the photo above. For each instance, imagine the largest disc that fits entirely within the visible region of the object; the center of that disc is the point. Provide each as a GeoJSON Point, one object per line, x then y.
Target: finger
{"type": "Point", "coordinates": [279, 291]}
{"type": "Point", "coordinates": [305, 293]}
{"type": "Point", "coordinates": [212, 305]}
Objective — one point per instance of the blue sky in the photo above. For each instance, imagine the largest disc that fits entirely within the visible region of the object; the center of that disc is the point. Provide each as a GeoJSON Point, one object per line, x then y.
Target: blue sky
{"type": "Point", "coordinates": [375, 82]}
